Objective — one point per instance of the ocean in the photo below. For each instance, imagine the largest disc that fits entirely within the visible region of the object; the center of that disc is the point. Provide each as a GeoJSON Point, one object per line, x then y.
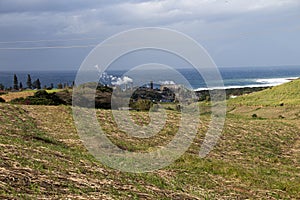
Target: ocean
{"type": "Point", "coordinates": [233, 77]}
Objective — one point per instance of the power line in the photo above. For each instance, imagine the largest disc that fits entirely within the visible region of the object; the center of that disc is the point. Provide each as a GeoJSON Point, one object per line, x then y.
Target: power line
{"type": "Point", "coordinates": [49, 47]}
{"type": "Point", "coordinates": [37, 41]}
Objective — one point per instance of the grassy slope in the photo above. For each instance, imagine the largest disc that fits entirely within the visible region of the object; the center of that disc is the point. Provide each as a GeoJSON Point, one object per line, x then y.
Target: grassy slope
{"type": "Point", "coordinates": [42, 156]}
{"type": "Point", "coordinates": [13, 95]}
{"type": "Point", "coordinates": [287, 93]}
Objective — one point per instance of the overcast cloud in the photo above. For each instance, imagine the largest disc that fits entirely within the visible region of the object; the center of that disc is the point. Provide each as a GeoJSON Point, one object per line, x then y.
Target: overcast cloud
{"type": "Point", "coordinates": [235, 32]}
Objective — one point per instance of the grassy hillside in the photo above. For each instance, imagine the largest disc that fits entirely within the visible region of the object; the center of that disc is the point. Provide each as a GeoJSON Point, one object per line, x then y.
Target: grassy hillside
{"type": "Point", "coordinates": [256, 157]}
{"type": "Point", "coordinates": [288, 93]}
{"type": "Point", "coordinates": [14, 95]}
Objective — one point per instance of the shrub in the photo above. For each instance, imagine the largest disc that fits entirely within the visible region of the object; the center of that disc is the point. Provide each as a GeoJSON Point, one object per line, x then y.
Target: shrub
{"type": "Point", "coordinates": [281, 117]}
{"type": "Point", "coordinates": [66, 96]}
{"type": "Point", "coordinates": [142, 105]}
{"type": "Point", "coordinates": [59, 86]}
{"type": "Point", "coordinates": [178, 107]}
{"type": "Point", "coordinates": [2, 100]}
{"type": "Point", "coordinates": [154, 108]}
{"type": "Point", "coordinates": [104, 88]}
{"type": "Point", "coordinates": [254, 115]}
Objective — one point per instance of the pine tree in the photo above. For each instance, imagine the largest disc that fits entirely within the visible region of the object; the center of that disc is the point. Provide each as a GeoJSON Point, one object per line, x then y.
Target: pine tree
{"type": "Point", "coordinates": [38, 84]}
{"type": "Point", "coordinates": [29, 84]}
{"type": "Point", "coordinates": [21, 85]}
{"type": "Point", "coordinates": [16, 83]}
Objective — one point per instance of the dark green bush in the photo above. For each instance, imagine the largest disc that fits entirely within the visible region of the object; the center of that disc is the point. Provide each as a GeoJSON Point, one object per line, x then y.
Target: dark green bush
{"type": "Point", "coordinates": [254, 115]}
{"type": "Point", "coordinates": [104, 88]}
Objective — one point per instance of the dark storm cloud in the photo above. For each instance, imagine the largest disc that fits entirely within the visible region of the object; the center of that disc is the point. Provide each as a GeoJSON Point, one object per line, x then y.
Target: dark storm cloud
{"type": "Point", "coordinates": [8, 6]}
{"type": "Point", "coordinates": [231, 30]}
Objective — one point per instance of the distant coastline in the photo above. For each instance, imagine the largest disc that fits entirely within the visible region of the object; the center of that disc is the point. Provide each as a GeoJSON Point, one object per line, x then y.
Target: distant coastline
{"type": "Point", "coordinates": [233, 78]}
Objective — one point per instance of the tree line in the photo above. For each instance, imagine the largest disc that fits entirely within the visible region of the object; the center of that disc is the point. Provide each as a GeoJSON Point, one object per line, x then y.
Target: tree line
{"type": "Point", "coordinates": [30, 85]}
{"type": "Point", "coordinates": [36, 84]}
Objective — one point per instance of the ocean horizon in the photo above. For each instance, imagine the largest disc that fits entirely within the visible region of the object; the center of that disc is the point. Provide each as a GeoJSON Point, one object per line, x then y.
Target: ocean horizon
{"type": "Point", "coordinates": [233, 77]}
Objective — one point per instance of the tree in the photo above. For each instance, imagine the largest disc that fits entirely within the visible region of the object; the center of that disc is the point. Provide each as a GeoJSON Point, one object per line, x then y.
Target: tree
{"type": "Point", "coordinates": [29, 84]}
{"type": "Point", "coordinates": [59, 86]}
{"type": "Point", "coordinates": [37, 84]}
{"type": "Point", "coordinates": [21, 85]}
{"type": "Point", "coordinates": [1, 86]}
{"type": "Point", "coordinates": [16, 83]}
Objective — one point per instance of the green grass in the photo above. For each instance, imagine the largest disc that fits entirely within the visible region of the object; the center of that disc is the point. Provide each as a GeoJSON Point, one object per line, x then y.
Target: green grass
{"type": "Point", "coordinates": [288, 94]}
{"type": "Point", "coordinates": [256, 158]}
{"type": "Point", "coordinates": [49, 91]}
{"type": "Point", "coordinates": [54, 90]}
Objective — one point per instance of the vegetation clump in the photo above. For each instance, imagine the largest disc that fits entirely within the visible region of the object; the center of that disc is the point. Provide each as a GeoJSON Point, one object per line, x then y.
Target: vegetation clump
{"type": "Point", "coordinates": [41, 97]}
{"type": "Point", "coordinates": [254, 115]}
{"type": "Point", "coordinates": [142, 105]}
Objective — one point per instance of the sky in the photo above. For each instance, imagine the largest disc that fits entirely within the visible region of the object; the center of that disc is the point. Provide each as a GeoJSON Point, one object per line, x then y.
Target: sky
{"type": "Point", "coordinates": [59, 34]}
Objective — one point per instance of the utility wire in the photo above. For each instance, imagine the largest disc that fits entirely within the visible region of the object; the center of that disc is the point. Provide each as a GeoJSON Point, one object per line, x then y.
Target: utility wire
{"type": "Point", "coordinates": [49, 47]}
{"type": "Point", "coordinates": [37, 41]}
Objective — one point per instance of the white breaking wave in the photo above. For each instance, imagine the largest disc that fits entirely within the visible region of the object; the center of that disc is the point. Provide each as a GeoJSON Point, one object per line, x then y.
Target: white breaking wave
{"type": "Point", "coordinates": [275, 81]}
{"type": "Point", "coordinates": [260, 83]}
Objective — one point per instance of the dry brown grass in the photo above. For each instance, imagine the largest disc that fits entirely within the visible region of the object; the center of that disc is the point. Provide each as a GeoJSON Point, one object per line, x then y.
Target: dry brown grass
{"type": "Point", "coordinates": [14, 95]}
{"type": "Point", "coordinates": [43, 157]}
